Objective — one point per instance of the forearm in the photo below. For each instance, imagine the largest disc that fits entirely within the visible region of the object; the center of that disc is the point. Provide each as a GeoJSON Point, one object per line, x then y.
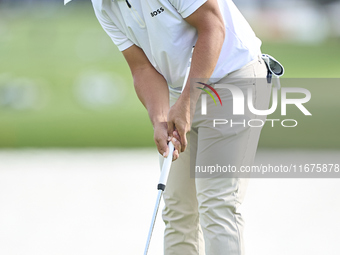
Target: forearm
{"type": "Point", "coordinates": [204, 60]}
{"type": "Point", "coordinates": [152, 90]}
{"type": "Point", "coordinates": [211, 35]}
{"type": "Point", "coordinates": [210, 28]}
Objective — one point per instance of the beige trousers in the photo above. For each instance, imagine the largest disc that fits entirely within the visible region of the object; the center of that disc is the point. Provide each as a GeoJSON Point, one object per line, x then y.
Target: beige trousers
{"type": "Point", "coordinates": [201, 214]}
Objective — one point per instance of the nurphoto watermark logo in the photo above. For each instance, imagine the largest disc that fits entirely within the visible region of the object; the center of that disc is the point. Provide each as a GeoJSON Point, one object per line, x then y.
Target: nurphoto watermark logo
{"type": "Point", "coordinates": [300, 139]}
{"type": "Point", "coordinates": [239, 101]}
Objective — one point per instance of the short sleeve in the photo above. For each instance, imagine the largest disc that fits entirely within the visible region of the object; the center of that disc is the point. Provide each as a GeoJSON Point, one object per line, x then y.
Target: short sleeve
{"type": "Point", "coordinates": [187, 7]}
{"type": "Point", "coordinates": [117, 36]}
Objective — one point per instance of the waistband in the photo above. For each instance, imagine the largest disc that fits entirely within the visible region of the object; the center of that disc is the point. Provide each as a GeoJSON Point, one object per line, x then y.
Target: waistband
{"type": "Point", "coordinates": [178, 90]}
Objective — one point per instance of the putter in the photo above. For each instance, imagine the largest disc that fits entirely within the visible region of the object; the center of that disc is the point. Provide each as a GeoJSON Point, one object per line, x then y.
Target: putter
{"type": "Point", "coordinates": [161, 187]}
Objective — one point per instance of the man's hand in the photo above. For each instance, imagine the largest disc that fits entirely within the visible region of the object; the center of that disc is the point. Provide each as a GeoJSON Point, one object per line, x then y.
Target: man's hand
{"type": "Point", "coordinates": [161, 139]}
{"type": "Point", "coordinates": [179, 122]}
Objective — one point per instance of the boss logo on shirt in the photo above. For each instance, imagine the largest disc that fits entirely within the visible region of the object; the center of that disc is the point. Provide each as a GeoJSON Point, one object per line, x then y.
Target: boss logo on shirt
{"type": "Point", "coordinates": [158, 11]}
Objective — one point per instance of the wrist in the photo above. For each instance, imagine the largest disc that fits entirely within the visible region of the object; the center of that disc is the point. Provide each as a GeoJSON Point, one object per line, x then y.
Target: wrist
{"type": "Point", "coordinates": [157, 121]}
{"type": "Point", "coordinates": [190, 95]}
{"type": "Point", "coordinates": [187, 102]}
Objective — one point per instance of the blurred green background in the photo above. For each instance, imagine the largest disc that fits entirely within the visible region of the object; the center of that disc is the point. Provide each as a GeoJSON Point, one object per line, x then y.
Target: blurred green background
{"type": "Point", "coordinates": [63, 83]}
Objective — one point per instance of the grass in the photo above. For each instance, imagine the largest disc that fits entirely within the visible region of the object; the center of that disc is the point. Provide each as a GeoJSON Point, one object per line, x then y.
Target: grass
{"type": "Point", "coordinates": [56, 46]}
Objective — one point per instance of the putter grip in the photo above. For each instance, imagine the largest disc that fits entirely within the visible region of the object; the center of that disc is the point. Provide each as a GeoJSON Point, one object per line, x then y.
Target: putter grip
{"type": "Point", "coordinates": [166, 168]}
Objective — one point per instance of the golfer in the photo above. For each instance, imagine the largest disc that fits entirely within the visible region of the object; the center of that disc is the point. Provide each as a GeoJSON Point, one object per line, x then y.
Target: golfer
{"type": "Point", "coordinates": [156, 38]}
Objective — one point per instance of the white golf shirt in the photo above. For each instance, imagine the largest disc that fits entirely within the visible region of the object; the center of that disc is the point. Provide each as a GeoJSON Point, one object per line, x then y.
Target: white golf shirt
{"type": "Point", "coordinates": [159, 28]}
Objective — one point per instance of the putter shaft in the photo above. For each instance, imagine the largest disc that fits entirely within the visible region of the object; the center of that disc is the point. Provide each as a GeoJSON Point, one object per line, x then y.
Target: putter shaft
{"type": "Point", "coordinates": [161, 187]}
{"type": "Point", "coordinates": [153, 220]}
